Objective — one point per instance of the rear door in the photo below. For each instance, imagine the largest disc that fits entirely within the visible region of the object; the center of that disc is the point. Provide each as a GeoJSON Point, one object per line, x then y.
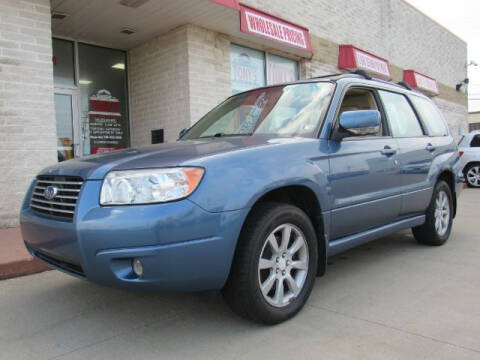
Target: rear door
{"type": "Point", "coordinates": [416, 151]}
{"type": "Point", "coordinates": [364, 174]}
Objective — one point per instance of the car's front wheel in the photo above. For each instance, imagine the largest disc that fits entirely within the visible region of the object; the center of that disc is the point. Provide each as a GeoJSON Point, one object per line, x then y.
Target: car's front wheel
{"type": "Point", "coordinates": [275, 264]}
{"type": "Point", "coordinates": [439, 217]}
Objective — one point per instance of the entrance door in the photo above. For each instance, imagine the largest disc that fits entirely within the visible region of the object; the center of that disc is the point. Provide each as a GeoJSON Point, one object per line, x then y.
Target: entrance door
{"type": "Point", "coordinates": [68, 127]}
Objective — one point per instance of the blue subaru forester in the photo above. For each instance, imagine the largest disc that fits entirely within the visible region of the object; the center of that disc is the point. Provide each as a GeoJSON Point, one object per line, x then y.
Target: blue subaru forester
{"type": "Point", "coordinates": [255, 196]}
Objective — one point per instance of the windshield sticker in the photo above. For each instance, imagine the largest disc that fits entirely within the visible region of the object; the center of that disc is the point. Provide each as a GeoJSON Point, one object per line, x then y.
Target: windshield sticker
{"type": "Point", "coordinates": [248, 124]}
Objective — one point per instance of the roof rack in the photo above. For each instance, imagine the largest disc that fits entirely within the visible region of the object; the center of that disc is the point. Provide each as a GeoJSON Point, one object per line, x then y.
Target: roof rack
{"type": "Point", "coordinates": [324, 76]}
{"type": "Point", "coordinates": [362, 73]}
{"type": "Point", "coordinates": [404, 84]}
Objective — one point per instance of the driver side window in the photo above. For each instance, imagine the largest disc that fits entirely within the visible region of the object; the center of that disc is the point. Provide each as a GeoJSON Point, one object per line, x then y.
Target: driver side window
{"type": "Point", "coordinates": [359, 99]}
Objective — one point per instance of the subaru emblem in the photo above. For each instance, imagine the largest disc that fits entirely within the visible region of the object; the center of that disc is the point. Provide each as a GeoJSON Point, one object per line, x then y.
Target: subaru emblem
{"type": "Point", "coordinates": [50, 192]}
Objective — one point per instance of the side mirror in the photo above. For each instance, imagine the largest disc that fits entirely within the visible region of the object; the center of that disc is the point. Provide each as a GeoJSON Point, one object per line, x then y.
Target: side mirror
{"type": "Point", "coordinates": [358, 123]}
{"type": "Point", "coordinates": [183, 132]}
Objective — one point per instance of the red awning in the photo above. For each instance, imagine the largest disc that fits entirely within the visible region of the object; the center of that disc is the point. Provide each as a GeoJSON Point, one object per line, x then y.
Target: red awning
{"type": "Point", "coordinates": [421, 82]}
{"type": "Point", "coordinates": [353, 58]}
{"type": "Point", "coordinates": [272, 28]}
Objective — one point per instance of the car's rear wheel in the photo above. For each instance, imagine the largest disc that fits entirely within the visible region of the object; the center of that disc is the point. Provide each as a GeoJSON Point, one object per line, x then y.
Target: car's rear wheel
{"type": "Point", "coordinates": [275, 264]}
{"type": "Point", "coordinates": [439, 217]}
{"type": "Point", "coordinates": [472, 175]}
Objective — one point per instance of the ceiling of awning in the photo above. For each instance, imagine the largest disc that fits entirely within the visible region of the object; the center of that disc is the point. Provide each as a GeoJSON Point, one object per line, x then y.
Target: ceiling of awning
{"type": "Point", "coordinates": [101, 22]}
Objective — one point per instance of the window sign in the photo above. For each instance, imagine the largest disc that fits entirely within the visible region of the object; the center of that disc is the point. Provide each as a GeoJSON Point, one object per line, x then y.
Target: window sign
{"type": "Point", "coordinates": [252, 68]}
{"type": "Point", "coordinates": [105, 123]}
{"type": "Point", "coordinates": [280, 70]}
{"type": "Point", "coordinates": [247, 68]}
{"type": "Point", "coordinates": [103, 99]}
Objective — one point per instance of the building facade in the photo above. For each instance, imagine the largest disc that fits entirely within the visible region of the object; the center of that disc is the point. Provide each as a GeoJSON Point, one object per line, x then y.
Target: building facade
{"type": "Point", "coordinates": [79, 78]}
{"type": "Point", "coordinates": [474, 120]}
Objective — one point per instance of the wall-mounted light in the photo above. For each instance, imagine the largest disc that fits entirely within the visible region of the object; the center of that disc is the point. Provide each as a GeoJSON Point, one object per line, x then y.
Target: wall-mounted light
{"type": "Point", "coordinates": [462, 83]}
{"type": "Point", "coordinates": [84, 82]}
{"type": "Point", "coordinates": [119, 66]}
{"type": "Point", "coordinates": [56, 15]}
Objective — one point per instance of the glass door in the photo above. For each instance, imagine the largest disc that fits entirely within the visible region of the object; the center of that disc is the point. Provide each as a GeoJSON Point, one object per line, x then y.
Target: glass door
{"type": "Point", "coordinates": [66, 116]}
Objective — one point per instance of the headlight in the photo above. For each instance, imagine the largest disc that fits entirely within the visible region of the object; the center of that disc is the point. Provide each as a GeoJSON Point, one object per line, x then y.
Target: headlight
{"type": "Point", "coordinates": [149, 186]}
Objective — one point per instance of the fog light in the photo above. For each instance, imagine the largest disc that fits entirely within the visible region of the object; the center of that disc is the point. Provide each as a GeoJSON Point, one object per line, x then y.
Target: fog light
{"type": "Point", "coordinates": [137, 267]}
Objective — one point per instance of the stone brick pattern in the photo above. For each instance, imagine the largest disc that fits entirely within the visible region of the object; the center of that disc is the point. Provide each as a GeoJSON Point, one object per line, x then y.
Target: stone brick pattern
{"type": "Point", "coordinates": [158, 82]}
{"type": "Point", "coordinates": [27, 122]}
{"type": "Point", "coordinates": [208, 69]}
{"type": "Point", "coordinates": [456, 116]}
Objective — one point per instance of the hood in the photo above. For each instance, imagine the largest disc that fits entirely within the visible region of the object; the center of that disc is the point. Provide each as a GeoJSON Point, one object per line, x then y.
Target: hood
{"type": "Point", "coordinates": [182, 152]}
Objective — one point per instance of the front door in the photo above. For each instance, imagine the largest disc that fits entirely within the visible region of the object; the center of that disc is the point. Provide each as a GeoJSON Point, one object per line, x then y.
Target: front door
{"type": "Point", "coordinates": [68, 127]}
{"type": "Point", "coordinates": [364, 174]}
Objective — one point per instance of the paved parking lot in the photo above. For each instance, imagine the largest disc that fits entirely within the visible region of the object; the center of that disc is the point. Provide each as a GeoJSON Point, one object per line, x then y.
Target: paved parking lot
{"type": "Point", "coordinates": [391, 299]}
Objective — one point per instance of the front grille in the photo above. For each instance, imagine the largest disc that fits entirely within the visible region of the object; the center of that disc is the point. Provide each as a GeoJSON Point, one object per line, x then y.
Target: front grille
{"type": "Point", "coordinates": [65, 201]}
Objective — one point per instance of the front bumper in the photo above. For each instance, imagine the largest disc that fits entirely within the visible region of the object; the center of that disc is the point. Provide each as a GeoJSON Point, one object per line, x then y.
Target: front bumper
{"type": "Point", "coordinates": [182, 247]}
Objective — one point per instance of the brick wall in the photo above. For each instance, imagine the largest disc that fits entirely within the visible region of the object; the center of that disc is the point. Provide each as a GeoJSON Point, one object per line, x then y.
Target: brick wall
{"type": "Point", "coordinates": [175, 79]}
{"type": "Point", "coordinates": [209, 70]}
{"type": "Point", "coordinates": [27, 122]}
{"type": "Point", "coordinates": [158, 77]}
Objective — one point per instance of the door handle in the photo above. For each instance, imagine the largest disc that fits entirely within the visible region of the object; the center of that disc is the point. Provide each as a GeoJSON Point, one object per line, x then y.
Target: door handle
{"type": "Point", "coordinates": [388, 151]}
{"type": "Point", "coordinates": [430, 147]}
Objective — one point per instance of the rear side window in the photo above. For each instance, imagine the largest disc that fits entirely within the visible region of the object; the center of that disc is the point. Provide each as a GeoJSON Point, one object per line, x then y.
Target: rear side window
{"type": "Point", "coordinates": [401, 117]}
{"type": "Point", "coordinates": [475, 141]}
{"type": "Point", "coordinates": [431, 116]}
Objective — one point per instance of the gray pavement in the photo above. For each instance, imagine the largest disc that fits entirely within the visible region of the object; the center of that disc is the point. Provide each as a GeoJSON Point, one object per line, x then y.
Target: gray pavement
{"type": "Point", "coordinates": [390, 299]}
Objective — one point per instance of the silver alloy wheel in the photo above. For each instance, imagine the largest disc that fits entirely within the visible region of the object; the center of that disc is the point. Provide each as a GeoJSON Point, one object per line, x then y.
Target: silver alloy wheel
{"type": "Point", "coordinates": [283, 265]}
{"type": "Point", "coordinates": [473, 176]}
{"type": "Point", "coordinates": [442, 213]}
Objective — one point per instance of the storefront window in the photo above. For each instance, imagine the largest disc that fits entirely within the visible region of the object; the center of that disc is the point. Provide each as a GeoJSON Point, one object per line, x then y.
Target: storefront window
{"type": "Point", "coordinates": [103, 99]}
{"type": "Point", "coordinates": [280, 69]}
{"type": "Point", "coordinates": [63, 64]}
{"type": "Point", "coordinates": [247, 68]}
{"type": "Point", "coordinates": [253, 68]}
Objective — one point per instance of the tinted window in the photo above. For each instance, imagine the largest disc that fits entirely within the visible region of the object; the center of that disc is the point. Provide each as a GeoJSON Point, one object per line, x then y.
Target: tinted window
{"type": "Point", "coordinates": [475, 141]}
{"type": "Point", "coordinates": [400, 115]}
{"type": "Point", "coordinates": [63, 66]}
{"type": "Point", "coordinates": [431, 116]}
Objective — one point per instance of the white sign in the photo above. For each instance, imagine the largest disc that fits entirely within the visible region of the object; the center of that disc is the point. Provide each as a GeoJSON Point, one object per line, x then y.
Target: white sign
{"type": "Point", "coordinates": [371, 63]}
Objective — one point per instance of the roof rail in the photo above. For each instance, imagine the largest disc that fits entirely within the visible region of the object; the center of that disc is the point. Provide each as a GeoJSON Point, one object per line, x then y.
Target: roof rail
{"type": "Point", "coordinates": [362, 73]}
{"type": "Point", "coordinates": [324, 76]}
{"type": "Point", "coordinates": [405, 85]}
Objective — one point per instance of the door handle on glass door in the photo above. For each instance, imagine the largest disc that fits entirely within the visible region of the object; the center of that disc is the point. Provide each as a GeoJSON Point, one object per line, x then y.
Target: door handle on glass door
{"type": "Point", "coordinates": [388, 151]}
{"type": "Point", "coordinates": [430, 147]}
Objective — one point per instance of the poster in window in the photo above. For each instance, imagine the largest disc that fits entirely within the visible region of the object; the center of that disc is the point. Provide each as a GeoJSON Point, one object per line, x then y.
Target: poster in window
{"type": "Point", "coordinates": [247, 68]}
{"type": "Point", "coordinates": [105, 123]}
{"type": "Point", "coordinates": [281, 70]}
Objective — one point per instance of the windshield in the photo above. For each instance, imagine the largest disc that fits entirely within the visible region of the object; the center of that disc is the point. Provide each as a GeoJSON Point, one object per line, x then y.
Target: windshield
{"type": "Point", "coordinates": [288, 110]}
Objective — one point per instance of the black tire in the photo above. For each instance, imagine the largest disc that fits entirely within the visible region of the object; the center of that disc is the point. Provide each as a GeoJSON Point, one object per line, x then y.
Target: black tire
{"type": "Point", "coordinates": [242, 291]}
{"type": "Point", "coordinates": [427, 233]}
{"type": "Point", "coordinates": [467, 169]}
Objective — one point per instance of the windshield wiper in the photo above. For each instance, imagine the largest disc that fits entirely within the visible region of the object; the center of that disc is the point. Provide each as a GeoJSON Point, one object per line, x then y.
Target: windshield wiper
{"type": "Point", "coordinates": [221, 134]}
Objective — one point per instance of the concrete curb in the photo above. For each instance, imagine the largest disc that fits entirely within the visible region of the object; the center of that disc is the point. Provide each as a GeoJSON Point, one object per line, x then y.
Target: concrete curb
{"type": "Point", "coordinates": [15, 260]}
{"type": "Point", "coordinates": [21, 268]}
